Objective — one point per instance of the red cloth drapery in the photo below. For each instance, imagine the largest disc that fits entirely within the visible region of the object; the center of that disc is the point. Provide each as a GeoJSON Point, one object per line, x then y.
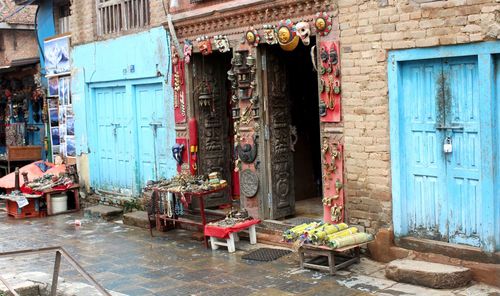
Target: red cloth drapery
{"type": "Point", "coordinates": [223, 232]}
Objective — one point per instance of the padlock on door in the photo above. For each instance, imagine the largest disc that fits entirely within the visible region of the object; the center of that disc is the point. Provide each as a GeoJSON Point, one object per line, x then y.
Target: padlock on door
{"type": "Point", "coordinates": [447, 146]}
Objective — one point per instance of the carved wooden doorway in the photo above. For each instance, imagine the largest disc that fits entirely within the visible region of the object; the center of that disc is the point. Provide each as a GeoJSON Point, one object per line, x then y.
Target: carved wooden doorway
{"type": "Point", "coordinates": [280, 201]}
{"type": "Point", "coordinates": [292, 132]}
{"type": "Point", "coordinates": [210, 92]}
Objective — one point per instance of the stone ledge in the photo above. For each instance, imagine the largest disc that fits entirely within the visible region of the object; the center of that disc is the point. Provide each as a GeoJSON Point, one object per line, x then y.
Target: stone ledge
{"type": "Point", "coordinates": [432, 275]}
{"type": "Point", "coordinates": [137, 219]}
{"type": "Point", "coordinates": [104, 212]}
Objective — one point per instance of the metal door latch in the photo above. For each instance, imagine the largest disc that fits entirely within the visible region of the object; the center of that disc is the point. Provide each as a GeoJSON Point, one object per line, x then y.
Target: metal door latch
{"type": "Point", "coordinates": [447, 146]}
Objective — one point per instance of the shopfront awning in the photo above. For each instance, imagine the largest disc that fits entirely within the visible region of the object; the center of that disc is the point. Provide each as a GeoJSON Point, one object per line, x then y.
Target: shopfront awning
{"type": "Point", "coordinates": [19, 63]}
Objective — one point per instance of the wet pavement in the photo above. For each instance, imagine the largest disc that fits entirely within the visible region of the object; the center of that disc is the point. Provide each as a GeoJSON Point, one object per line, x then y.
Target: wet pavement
{"type": "Point", "coordinates": [127, 260]}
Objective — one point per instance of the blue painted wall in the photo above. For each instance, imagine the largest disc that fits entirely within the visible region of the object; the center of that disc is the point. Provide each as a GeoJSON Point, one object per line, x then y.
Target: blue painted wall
{"type": "Point", "coordinates": [127, 61]}
{"type": "Point", "coordinates": [45, 27]}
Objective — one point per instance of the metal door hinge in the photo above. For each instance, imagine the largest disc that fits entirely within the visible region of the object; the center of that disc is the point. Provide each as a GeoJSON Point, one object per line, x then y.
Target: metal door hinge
{"type": "Point", "coordinates": [266, 132]}
{"type": "Point", "coordinates": [270, 200]}
{"type": "Point", "coordinates": [263, 62]}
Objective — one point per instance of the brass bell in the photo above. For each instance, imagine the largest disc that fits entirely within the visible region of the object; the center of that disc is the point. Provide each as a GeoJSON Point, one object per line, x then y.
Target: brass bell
{"type": "Point", "coordinates": [237, 60]}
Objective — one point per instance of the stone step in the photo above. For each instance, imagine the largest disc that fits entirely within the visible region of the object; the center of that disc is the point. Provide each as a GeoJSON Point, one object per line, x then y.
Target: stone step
{"type": "Point", "coordinates": [427, 274]}
{"type": "Point", "coordinates": [137, 219]}
{"type": "Point", "coordinates": [104, 212]}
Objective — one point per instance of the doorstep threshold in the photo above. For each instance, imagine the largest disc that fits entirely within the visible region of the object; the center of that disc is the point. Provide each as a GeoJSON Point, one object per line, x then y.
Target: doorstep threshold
{"type": "Point", "coordinates": [458, 251]}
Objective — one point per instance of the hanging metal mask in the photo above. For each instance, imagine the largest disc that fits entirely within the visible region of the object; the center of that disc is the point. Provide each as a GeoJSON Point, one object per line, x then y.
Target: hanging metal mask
{"type": "Point", "coordinates": [188, 50]}
{"type": "Point", "coordinates": [177, 151]}
{"type": "Point", "coordinates": [270, 34]}
{"type": "Point", "coordinates": [204, 45]}
{"type": "Point", "coordinates": [304, 32]}
{"type": "Point", "coordinates": [323, 23]}
{"type": "Point", "coordinates": [222, 43]}
{"type": "Point", "coordinates": [246, 152]}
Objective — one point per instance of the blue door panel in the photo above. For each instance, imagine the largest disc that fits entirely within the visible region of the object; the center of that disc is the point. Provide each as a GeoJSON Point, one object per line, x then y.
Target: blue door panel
{"type": "Point", "coordinates": [463, 164]}
{"type": "Point", "coordinates": [154, 134]}
{"type": "Point", "coordinates": [442, 190]}
{"type": "Point", "coordinates": [114, 142]}
{"type": "Point", "coordinates": [424, 203]}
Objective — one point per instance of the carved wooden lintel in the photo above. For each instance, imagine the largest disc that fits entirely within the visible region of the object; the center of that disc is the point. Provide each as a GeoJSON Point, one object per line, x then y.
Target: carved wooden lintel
{"type": "Point", "coordinates": [234, 22]}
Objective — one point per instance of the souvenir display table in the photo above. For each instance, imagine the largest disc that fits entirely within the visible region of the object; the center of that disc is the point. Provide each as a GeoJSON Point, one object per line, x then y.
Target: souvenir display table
{"type": "Point", "coordinates": [337, 242]}
{"type": "Point", "coordinates": [187, 197]}
{"type": "Point", "coordinates": [48, 186]}
{"type": "Point", "coordinates": [227, 236]}
{"type": "Point", "coordinates": [323, 251]}
{"type": "Point", "coordinates": [22, 205]}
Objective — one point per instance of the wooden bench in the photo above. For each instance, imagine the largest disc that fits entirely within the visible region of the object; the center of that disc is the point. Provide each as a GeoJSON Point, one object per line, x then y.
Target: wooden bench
{"type": "Point", "coordinates": [233, 237]}
{"type": "Point", "coordinates": [348, 254]}
{"type": "Point", "coordinates": [228, 236]}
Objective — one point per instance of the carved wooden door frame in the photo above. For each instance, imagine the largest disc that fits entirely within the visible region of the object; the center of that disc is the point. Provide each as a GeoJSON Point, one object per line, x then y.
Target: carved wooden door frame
{"type": "Point", "coordinates": [278, 199]}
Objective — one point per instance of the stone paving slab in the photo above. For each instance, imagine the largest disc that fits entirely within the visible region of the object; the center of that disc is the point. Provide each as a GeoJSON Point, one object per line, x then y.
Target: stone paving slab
{"type": "Point", "coordinates": [127, 260]}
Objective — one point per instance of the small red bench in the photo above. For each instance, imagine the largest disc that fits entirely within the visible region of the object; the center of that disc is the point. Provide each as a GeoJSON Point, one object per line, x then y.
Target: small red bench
{"type": "Point", "coordinates": [227, 236]}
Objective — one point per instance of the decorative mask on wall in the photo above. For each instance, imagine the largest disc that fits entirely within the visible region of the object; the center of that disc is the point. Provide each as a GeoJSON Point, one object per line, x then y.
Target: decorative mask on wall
{"type": "Point", "coordinates": [204, 45]}
{"type": "Point", "coordinates": [323, 23]}
{"type": "Point", "coordinates": [222, 43]}
{"type": "Point", "coordinates": [270, 34]}
{"type": "Point", "coordinates": [246, 152]}
{"type": "Point", "coordinates": [177, 151]}
{"type": "Point", "coordinates": [304, 32]}
{"type": "Point", "coordinates": [252, 37]}
{"type": "Point", "coordinates": [175, 55]}
{"type": "Point", "coordinates": [287, 35]}
{"type": "Point", "coordinates": [188, 50]}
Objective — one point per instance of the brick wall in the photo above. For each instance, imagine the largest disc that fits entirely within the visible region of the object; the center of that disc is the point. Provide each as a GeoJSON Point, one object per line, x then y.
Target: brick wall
{"type": "Point", "coordinates": [17, 44]}
{"type": "Point", "coordinates": [83, 21]}
{"type": "Point", "coordinates": [369, 29]}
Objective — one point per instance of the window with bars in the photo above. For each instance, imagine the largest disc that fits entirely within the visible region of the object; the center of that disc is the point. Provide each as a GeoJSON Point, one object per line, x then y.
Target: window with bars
{"type": "Point", "coordinates": [114, 16]}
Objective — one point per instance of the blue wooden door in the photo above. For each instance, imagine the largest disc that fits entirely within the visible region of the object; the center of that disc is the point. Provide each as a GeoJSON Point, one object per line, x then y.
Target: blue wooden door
{"type": "Point", "coordinates": [442, 190]}
{"type": "Point", "coordinates": [114, 161]}
{"type": "Point", "coordinates": [153, 138]}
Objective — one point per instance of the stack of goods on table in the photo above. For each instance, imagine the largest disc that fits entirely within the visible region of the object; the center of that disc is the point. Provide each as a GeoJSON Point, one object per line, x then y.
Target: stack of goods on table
{"type": "Point", "coordinates": [323, 234]}
{"type": "Point", "coordinates": [233, 217]}
{"type": "Point", "coordinates": [187, 183]}
{"type": "Point", "coordinates": [47, 182]}
{"type": "Point", "coordinates": [215, 180]}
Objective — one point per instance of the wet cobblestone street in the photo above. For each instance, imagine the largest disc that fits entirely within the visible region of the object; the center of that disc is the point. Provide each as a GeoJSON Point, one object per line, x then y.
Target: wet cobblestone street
{"type": "Point", "coordinates": [127, 260]}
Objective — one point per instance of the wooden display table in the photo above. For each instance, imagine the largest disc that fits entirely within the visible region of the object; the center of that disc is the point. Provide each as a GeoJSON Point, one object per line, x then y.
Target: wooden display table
{"type": "Point", "coordinates": [179, 220]}
{"type": "Point", "coordinates": [73, 191]}
{"type": "Point", "coordinates": [321, 251]}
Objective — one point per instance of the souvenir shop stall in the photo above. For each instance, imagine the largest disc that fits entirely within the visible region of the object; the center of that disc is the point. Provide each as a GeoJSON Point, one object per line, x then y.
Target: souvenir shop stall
{"type": "Point", "coordinates": [49, 183]}
{"type": "Point", "coordinates": [22, 116]}
{"type": "Point", "coordinates": [181, 200]}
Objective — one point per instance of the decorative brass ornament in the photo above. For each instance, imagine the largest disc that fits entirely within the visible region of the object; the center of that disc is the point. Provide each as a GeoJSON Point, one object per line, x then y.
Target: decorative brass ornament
{"type": "Point", "coordinates": [323, 23]}
{"type": "Point", "coordinates": [286, 31]}
{"type": "Point", "coordinates": [287, 35]}
{"type": "Point", "coordinates": [252, 37]}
